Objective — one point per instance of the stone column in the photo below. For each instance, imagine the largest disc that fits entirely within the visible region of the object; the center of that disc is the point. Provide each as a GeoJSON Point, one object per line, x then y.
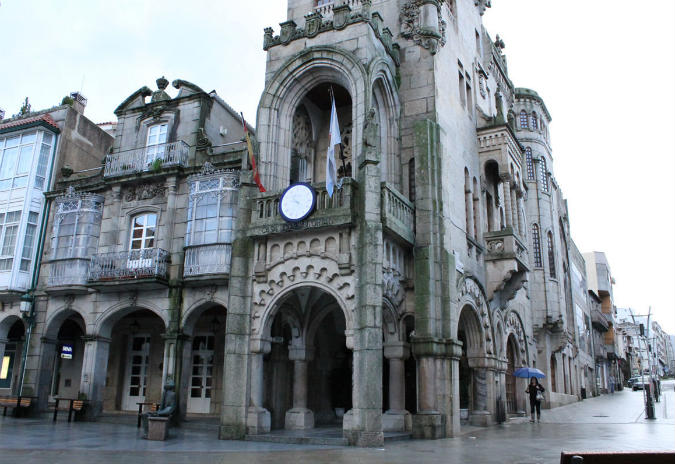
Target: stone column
{"type": "Point", "coordinates": [299, 417]}
{"type": "Point", "coordinates": [94, 370]}
{"type": "Point", "coordinates": [259, 420]}
{"type": "Point", "coordinates": [506, 184]}
{"type": "Point", "coordinates": [237, 365]}
{"type": "Point", "coordinates": [396, 419]}
{"type": "Point", "coordinates": [454, 354]}
{"type": "Point", "coordinates": [468, 207]}
{"type": "Point", "coordinates": [480, 415]}
{"type": "Point", "coordinates": [515, 214]}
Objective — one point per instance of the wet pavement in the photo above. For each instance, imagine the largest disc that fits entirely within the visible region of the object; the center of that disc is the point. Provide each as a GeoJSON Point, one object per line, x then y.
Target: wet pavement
{"type": "Point", "coordinates": [610, 422]}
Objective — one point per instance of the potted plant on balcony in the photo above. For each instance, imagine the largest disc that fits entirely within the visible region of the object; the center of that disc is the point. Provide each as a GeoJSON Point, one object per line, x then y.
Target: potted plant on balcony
{"type": "Point", "coordinates": [156, 165]}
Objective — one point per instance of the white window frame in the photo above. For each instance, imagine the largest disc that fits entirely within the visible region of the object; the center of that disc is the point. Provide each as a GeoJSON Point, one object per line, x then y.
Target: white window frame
{"type": "Point", "coordinates": [152, 148]}
{"type": "Point", "coordinates": [144, 229]}
{"type": "Point", "coordinates": [29, 237]}
{"type": "Point", "coordinates": [7, 259]}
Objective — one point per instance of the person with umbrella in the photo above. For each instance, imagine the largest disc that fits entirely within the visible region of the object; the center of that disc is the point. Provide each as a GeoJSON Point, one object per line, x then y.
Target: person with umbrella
{"type": "Point", "coordinates": [534, 389]}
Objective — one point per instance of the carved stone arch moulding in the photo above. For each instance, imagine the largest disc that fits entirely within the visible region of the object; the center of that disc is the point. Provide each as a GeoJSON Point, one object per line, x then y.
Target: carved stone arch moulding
{"type": "Point", "coordinates": [515, 326]}
{"type": "Point", "coordinates": [470, 291]}
{"type": "Point", "coordinates": [323, 273]}
{"type": "Point", "coordinates": [426, 30]}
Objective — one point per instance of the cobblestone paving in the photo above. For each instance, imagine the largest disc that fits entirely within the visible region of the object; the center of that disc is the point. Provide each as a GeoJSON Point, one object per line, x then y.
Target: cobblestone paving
{"type": "Point", "coordinates": [610, 422]}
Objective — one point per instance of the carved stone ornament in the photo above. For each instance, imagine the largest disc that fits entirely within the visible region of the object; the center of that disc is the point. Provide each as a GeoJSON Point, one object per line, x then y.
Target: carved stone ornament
{"type": "Point", "coordinates": [429, 36]}
{"type": "Point", "coordinates": [392, 289]}
{"type": "Point", "coordinates": [482, 5]}
{"type": "Point", "coordinates": [145, 192]}
{"type": "Point", "coordinates": [471, 290]}
{"type": "Point", "coordinates": [312, 24]}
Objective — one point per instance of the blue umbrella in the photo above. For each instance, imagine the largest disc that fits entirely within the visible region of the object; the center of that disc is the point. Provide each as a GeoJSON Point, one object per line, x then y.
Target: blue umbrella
{"type": "Point", "coordinates": [527, 372]}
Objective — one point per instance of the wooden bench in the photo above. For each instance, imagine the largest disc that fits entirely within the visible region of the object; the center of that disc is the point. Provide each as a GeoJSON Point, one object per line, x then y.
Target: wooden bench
{"type": "Point", "coordinates": [152, 407]}
{"type": "Point", "coordinates": [16, 402]}
{"type": "Point", "coordinates": [620, 457]}
{"type": "Point", "coordinates": [73, 405]}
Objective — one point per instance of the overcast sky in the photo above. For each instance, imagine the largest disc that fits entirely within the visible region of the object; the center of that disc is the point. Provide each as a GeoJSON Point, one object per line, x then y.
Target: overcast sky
{"type": "Point", "coordinates": [606, 70]}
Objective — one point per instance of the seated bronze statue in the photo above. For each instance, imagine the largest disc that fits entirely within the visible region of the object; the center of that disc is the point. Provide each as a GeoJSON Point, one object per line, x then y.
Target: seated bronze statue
{"type": "Point", "coordinates": [166, 408]}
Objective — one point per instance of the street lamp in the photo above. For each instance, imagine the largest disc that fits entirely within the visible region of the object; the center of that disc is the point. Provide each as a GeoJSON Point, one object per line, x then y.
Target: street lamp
{"type": "Point", "coordinates": [26, 306]}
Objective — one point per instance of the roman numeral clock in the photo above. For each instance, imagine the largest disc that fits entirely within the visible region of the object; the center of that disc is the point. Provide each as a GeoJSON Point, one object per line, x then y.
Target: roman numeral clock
{"type": "Point", "coordinates": [297, 202]}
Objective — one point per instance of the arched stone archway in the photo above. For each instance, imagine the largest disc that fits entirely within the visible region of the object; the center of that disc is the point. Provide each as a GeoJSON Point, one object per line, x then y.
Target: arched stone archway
{"type": "Point", "coordinates": [201, 379]}
{"type": "Point", "coordinates": [12, 335]}
{"type": "Point", "coordinates": [284, 92]}
{"type": "Point", "coordinates": [473, 388]}
{"type": "Point", "coordinates": [304, 344]}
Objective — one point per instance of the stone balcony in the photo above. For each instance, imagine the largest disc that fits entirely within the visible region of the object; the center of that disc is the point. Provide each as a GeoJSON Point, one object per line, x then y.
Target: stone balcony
{"type": "Point", "coordinates": [506, 262]}
{"type": "Point", "coordinates": [68, 276]}
{"type": "Point", "coordinates": [337, 211]}
{"type": "Point", "coordinates": [398, 214]}
{"type": "Point", "coordinates": [146, 159]}
{"type": "Point", "coordinates": [148, 268]}
{"type": "Point", "coordinates": [207, 262]}
{"type": "Point", "coordinates": [600, 320]}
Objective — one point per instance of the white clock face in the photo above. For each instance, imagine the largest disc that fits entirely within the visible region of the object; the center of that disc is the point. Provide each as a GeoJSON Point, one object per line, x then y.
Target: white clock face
{"type": "Point", "coordinates": [297, 202]}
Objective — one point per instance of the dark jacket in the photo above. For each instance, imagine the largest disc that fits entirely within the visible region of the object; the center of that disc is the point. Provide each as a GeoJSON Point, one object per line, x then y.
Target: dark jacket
{"type": "Point", "coordinates": [533, 391]}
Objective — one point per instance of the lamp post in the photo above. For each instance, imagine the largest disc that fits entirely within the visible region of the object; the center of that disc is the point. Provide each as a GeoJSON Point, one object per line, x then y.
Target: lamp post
{"type": "Point", "coordinates": [26, 309]}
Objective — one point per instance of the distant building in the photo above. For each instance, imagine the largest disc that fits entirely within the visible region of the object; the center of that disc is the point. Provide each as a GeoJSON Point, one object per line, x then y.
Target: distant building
{"type": "Point", "coordinates": [36, 151]}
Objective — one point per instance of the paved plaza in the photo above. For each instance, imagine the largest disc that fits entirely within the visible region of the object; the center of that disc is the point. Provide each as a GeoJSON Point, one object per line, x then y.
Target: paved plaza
{"type": "Point", "coordinates": [609, 422]}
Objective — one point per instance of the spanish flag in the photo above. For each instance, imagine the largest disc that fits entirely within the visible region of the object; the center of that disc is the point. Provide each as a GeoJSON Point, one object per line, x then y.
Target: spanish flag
{"type": "Point", "coordinates": [251, 157]}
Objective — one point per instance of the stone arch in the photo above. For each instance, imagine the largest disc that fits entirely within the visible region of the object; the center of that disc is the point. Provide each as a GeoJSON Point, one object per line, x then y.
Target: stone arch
{"type": "Point", "coordinates": [106, 321]}
{"type": "Point", "coordinates": [283, 93]}
{"type": "Point", "coordinates": [7, 323]}
{"type": "Point", "coordinates": [385, 101]}
{"type": "Point", "coordinates": [390, 322]}
{"type": "Point", "coordinates": [58, 317]}
{"type": "Point", "coordinates": [469, 323]}
{"type": "Point", "coordinates": [515, 328]}
{"type": "Point", "coordinates": [472, 295]}
{"type": "Point", "coordinates": [195, 311]}
{"type": "Point", "coordinates": [272, 309]}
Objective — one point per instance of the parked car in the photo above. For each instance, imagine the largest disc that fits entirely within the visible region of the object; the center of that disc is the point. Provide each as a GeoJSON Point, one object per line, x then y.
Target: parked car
{"type": "Point", "coordinates": [639, 384]}
{"type": "Point", "coordinates": [631, 381]}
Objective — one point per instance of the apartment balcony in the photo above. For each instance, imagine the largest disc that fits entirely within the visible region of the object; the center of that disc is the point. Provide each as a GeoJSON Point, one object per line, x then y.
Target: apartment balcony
{"type": "Point", "coordinates": [146, 159]}
{"type": "Point", "coordinates": [146, 269]}
{"type": "Point", "coordinates": [600, 320]}
{"type": "Point", "coordinates": [68, 276]}
{"type": "Point", "coordinates": [205, 263]}
{"type": "Point", "coordinates": [506, 262]}
{"type": "Point", "coordinates": [337, 211]}
{"type": "Point", "coordinates": [398, 214]}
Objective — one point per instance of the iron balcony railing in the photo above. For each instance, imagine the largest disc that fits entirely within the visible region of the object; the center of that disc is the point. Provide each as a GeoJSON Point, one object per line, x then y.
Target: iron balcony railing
{"type": "Point", "coordinates": [134, 264]}
{"type": "Point", "coordinates": [71, 271]}
{"type": "Point", "coordinates": [146, 159]}
{"type": "Point", "coordinates": [214, 258]}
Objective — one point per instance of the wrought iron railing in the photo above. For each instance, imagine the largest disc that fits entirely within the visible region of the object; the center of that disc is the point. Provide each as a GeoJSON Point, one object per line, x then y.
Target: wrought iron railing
{"type": "Point", "coordinates": [65, 272]}
{"type": "Point", "coordinates": [146, 159]}
{"type": "Point", "coordinates": [214, 258]}
{"type": "Point", "coordinates": [133, 264]}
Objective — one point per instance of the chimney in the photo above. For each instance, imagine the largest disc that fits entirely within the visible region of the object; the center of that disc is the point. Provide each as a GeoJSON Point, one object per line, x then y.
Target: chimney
{"type": "Point", "coordinates": [79, 102]}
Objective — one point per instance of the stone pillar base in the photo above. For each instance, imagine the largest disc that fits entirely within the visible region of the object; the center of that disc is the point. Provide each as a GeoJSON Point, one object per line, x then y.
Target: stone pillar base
{"type": "Point", "coordinates": [258, 422]}
{"type": "Point", "coordinates": [299, 419]}
{"type": "Point", "coordinates": [231, 432]}
{"type": "Point", "coordinates": [480, 418]}
{"type": "Point", "coordinates": [363, 439]}
{"type": "Point", "coordinates": [428, 425]}
{"type": "Point", "coordinates": [397, 421]}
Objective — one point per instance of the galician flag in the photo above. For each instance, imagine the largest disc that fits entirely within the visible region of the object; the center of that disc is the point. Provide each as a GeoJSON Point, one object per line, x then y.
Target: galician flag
{"type": "Point", "coordinates": [334, 139]}
{"type": "Point", "coordinates": [251, 156]}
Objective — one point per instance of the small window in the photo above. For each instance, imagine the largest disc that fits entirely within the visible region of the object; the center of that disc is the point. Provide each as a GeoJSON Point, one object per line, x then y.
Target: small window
{"type": "Point", "coordinates": [551, 255]}
{"type": "Point", "coordinates": [469, 95]}
{"type": "Point", "coordinates": [43, 160]}
{"type": "Point", "coordinates": [411, 179]}
{"type": "Point", "coordinates": [544, 174]}
{"type": "Point", "coordinates": [523, 119]}
{"type": "Point", "coordinates": [462, 89]}
{"type": "Point", "coordinates": [9, 225]}
{"type": "Point", "coordinates": [143, 230]}
{"type": "Point", "coordinates": [28, 241]}
{"type": "Point", "coordinates": [529, 163]}
{"type": "Point", "coordinates": [535, 125]}
{"type": "Point", "coordinates": [536, 246]}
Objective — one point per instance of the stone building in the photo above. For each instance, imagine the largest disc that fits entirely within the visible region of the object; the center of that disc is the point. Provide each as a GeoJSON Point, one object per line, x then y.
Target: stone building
{"type": "Point", "coordinates": [134, 277]}
{"type": "Point", "coordinates": [35, 149]}
{"type": "Point", "coordinates": [403, 302]}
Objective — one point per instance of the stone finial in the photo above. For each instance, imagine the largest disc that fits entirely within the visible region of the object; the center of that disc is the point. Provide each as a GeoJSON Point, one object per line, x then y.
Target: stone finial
{"type": "Point", "coordinates": [268, 38]}
{"type": "Point", "coordinates": [499, 43]}
{"type": "Point", "coordinates": [162, 83]}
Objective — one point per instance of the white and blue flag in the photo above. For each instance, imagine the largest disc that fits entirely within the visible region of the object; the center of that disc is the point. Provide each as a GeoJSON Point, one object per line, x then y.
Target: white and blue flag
{"type": "Point", "coordinates": [334, 139]}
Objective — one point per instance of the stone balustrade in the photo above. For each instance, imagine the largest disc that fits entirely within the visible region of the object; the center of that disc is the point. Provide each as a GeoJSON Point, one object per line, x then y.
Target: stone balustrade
{"type": "Point", "coordinates": [329, 212]}
{"type": "Point", "coordinates": [146, 159]}
{"type": "Point", "coordinates": [398, 213]}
